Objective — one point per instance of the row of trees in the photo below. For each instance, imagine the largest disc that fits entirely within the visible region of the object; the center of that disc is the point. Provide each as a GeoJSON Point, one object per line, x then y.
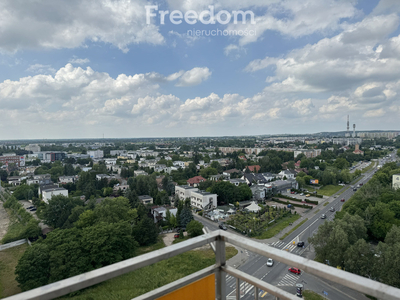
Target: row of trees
{"type": "Point", "coordinates": [364, 238]}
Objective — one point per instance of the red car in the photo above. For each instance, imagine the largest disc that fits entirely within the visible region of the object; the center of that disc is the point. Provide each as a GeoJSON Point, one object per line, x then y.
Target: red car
{"type": "Point", "coordinates": [295, 271]}
{"type": "Point", "coordinates": [292, 192]}
{"type": "Point", "coordinates": [176, 235]}
{"type": "Point", "coordinates": [342, 200]}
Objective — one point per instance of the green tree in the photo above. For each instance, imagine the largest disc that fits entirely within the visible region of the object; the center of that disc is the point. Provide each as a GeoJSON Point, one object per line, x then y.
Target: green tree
{"type": "Point", "coordinates": [194, 228]}
{"type": "Point", "coordinates": [186, 216]}
{"type": "Point", "coordinates": [145, 232]}
{"type": "Point", "coordinates": [58, 210]}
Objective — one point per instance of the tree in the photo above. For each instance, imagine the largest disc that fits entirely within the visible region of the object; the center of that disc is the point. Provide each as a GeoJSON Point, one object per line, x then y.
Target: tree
{"type": "Point", "coordinates": [58, 210]}
{"type": "Point", "coordinates": [194, 228]}
{"type": "Point", "coordinates": [145, 232]}
{"type": "Point", "coordinates": [33, 268]}
{"type": "Point", "coordinates": [186, 216]}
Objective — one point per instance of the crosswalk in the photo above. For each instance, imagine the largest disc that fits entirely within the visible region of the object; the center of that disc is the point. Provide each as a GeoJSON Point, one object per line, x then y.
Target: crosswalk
{"type": "Point", "coordinates": [289, 279]}
{"type": "Point", "coordinates": [245, 288]}
{"type": "Point", "coordinates": [290, 247]}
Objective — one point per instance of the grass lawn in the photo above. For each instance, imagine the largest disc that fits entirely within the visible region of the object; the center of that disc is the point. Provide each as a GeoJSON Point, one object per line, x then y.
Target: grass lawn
{"type": "Point", "coordinates": [8, 261]}
{"type": "Point", "coordinates": [178, 240]}
{"type": "Point", "coordinates": [274, 230]}
{"type": "Point", "coordinates": [151, 277]}
{"type": "Point", "coordinates": [326, 203]}
{"type": "Point", "coordinates": [329, 190]}
{"type": "Point", "coordinates": [310, 295]}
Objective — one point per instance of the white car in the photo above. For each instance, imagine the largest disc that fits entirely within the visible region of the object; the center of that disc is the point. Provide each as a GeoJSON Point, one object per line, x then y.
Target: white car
{"type": "Point", "coordinates": [270, 262]}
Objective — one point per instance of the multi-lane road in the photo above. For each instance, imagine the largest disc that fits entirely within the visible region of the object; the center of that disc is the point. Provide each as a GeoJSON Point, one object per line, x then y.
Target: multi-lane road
{"type": "Point", "coordinates": [278, 274]}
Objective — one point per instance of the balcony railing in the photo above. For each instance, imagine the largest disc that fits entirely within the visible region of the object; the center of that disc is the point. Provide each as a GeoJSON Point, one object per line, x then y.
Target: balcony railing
{"type": "Point", "coordinates": [220, 269]}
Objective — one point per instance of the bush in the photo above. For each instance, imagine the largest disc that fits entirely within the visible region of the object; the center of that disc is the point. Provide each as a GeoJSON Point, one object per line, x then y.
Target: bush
{"type": "Point", "coordinates": [194, 228]}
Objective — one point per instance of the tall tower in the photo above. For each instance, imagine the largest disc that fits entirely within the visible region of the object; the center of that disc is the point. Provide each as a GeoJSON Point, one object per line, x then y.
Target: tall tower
{"type": "Point", "coordinates": [348, 127]}
{"type": "Point", "coordinates": [354, 130]}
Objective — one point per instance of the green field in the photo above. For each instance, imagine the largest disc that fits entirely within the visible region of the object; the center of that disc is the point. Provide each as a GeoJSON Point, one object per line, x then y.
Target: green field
{"type": "Point", "coordinates": [151, 277]}
{"type": "Point", "coordinates": [8, 261]}
{"type": "Point", "coordinates": [274, 230]}
{"type": "Point", "coordinates": [327, 190]}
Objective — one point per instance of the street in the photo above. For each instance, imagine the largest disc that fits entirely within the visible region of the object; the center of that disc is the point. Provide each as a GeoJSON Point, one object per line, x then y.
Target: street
{"type": "Point", "coordinates": [278, 274]}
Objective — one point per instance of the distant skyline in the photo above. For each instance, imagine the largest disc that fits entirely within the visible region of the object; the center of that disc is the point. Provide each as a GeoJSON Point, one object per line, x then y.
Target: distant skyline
{"type": "Point", "coordinates": [81, 69]}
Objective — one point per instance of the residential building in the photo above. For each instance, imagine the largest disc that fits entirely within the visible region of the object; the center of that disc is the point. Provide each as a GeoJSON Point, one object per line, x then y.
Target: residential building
{"type": "Point", "coordinates": [67, 179]}
{"type": "Point", "coordinates": [258, 192]}
{"type": "Point", "coordinates": [232, 171]}
{"type": "Point", "coordinates": [118, 152]}
{"type": "Point", "coordinates": [96, 154]}
{"type": "Point", "coordinates": [49, 193]}
{"type": "Point", "coordinates": [184, 191]}
{"type": "Point", "coordinates": [396, 181]}
{"type": "Point", "coordinates": [237, 181]}
{"type": "Point", "coordinates": [139, 172]}
{"type": "Point", "coordinates": [146, 199]}
{"type": "Point", "coordinates": [286, 173]}
{"type": "Point", "coordinates": [14, 180]}
{"type": "Point", "coordinates": [226, 150]}
{"type": "Point", "coordinates": [179, 164]}
{"type": "Point", "coordinates": [54, 156]}
{"type": "Point", "coordinates": [199, 199]}
{"type": "Point", "coordinates": [33, 148]}
{"type": "Point", "coordinates": [159, 212]}
{"type": "Point", "coordinates": [43, 187]}
{"type": "Point", "coordinates": [283, 186]}
{"type": "Point", "coordinates": [122, 187]}
{"type": "Point", "coordinates": [309, 153]}
{"type": "Point", "coordinates": [218, 177]}
{"type": "Point", "coordinates": [254, 178]}
{"type": "Point", "coordinates": [253, 169]}
{"type": "Point", "coordinates": [268, 176]}
{"type": "Point", "coordinates": [41, 179]}
{"type": "Point", "coordinates": [102, 176]}
{"type": "Point", "coordinates": [195, 181]}
{"type": "Point", "coordinates": [8, 159]}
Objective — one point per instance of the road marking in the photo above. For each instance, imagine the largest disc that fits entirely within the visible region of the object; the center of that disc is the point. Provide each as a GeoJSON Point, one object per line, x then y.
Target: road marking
{"type": "Point", "coordinates": [263, 295]}
{"type": "Point", "coordinates": [289, 280]}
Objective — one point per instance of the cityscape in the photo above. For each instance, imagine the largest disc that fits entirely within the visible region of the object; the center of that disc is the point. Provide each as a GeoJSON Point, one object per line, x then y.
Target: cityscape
{"type": "Point", "coordinates": [143, 156]}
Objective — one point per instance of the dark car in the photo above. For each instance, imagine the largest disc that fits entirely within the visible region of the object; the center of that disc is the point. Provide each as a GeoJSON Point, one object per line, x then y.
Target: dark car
{"type": "Point", "coordinates": [323, 216]}
{"type": "Point", "coordinates": [33, 209]}
{"type": "Point", "coordinates": [342, 200]}
{"type": "Point", "coordinates": [30, 207]}
{"type": "Point", "coordinates": [295, 270]}
{"type": "Point", "coordinates": [332, 209]}
{"type": "Point", "coordinates": [355, 189]}
{"type": "Point", "coordinates": [222, 226]}
{"type": "Point", "coordinates": [176, 235]}
{"type": "Point", "coordinates": [300, 244]}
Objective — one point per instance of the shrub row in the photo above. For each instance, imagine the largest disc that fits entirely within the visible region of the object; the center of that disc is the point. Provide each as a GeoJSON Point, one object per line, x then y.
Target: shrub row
{"type": "Point", "coordinates": [294, 204]}
{"type": "Point", "coordinates": [299, 200]}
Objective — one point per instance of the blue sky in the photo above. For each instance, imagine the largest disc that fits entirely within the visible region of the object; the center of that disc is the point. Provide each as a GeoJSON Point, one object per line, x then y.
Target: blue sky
{"type": "Point", "coordinates": [84, 68]}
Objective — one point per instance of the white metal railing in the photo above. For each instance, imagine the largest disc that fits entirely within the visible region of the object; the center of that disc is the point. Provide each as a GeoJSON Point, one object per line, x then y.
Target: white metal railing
{"type": "Point", "coordinates": [220, 269]}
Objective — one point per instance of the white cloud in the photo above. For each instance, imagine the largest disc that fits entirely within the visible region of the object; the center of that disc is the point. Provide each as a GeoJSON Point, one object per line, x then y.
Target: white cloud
{"type": "Point", "coordinates": [374, 113]}
{"type": "Point", "coordinates": [69, 24]}
{"type": "Point", "coordinates": [194, 76]}
{"type": "Point", "coordinates": [41, 69]}
{"type": "Point", "coordinates": [79, 61]}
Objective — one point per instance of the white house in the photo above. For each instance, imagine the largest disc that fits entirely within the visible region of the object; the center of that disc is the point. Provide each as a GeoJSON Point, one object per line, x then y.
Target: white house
{"type": "Point", "coordinates": [179, 164]}
{"type": "Point", "coordinates": [286, 173]}
{"type": "Point", "coordinates": [67, 179]}
{"type": "Point", "coordinates": [49, 193]}
{"type": "Point", "coordinates": [159, 212]}
{"type": "Point", "coordinates": [184, 191]}
{"type": "Point", "coordinates": [199, 199]}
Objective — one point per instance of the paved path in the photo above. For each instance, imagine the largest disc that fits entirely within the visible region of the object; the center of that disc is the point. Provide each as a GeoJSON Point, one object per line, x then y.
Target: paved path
{"type": "Point", "coordinates": [12, 244]}
{"type": "Point", "coordinates": [4, 221]}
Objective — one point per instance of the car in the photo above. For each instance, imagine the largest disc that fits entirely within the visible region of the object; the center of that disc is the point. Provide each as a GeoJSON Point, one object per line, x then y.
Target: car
{"type": "Point", "coordinates": [33, 209]}
{"type": "Point", "coordinates": [308, 195]}
{"type": "Point", "coordinates": [176, 235]}
{"type": "Point", "coordinates": [332, 209]}
{"type": "Point", "coordinates": [323, 216]}
{"type": "Point", "coordinates": [292, 192]}
{"type": "Point", "coordinates": [342, 200]}
{"type": "Point", "coordinates": [270, 262]}
{"type": "Point", "coordinates": [361, 184]}
{"type": "Point", "coordinates": [355, 189]}
{"type": "Point", "coordinates": [302, 194]}
{"type": "Point", "coordinates": [294, 270]}
{"type": "Point", "coordinates": [222, 226]}
{"type": "Point", "coordinates": [300, 244]}
{"type": "Point", "coordinates": [30, 207]}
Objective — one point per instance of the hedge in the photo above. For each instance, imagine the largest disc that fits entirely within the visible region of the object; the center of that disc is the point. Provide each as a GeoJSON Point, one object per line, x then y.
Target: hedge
{"type": "Point", "coordinates": [293, 204]}
{"type": "Point", "coordinates": [298, 200]}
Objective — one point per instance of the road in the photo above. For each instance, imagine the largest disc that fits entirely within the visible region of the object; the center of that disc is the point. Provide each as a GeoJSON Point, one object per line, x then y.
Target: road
{"type": "Point", "coordinates": [278, 274]}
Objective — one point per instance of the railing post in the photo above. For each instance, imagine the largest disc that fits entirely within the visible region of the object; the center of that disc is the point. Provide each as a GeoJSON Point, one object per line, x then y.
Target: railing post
{"type": "Point", "coordinates": [256, 291]}
{"type": "Point", "coordinates": [237, 289]}
{"type": "Point", "coordinates": [221, 276]}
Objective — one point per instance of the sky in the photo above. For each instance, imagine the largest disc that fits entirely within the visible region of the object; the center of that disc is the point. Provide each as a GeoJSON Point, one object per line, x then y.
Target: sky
{"type": "Point", "coordinates": [81, 69]}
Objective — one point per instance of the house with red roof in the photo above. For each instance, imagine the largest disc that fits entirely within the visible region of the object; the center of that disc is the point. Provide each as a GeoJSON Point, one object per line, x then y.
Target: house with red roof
{"type": "Point", "coordinates": [253, 169]}
{"type": "Point", "coordinates": [194, 181]}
